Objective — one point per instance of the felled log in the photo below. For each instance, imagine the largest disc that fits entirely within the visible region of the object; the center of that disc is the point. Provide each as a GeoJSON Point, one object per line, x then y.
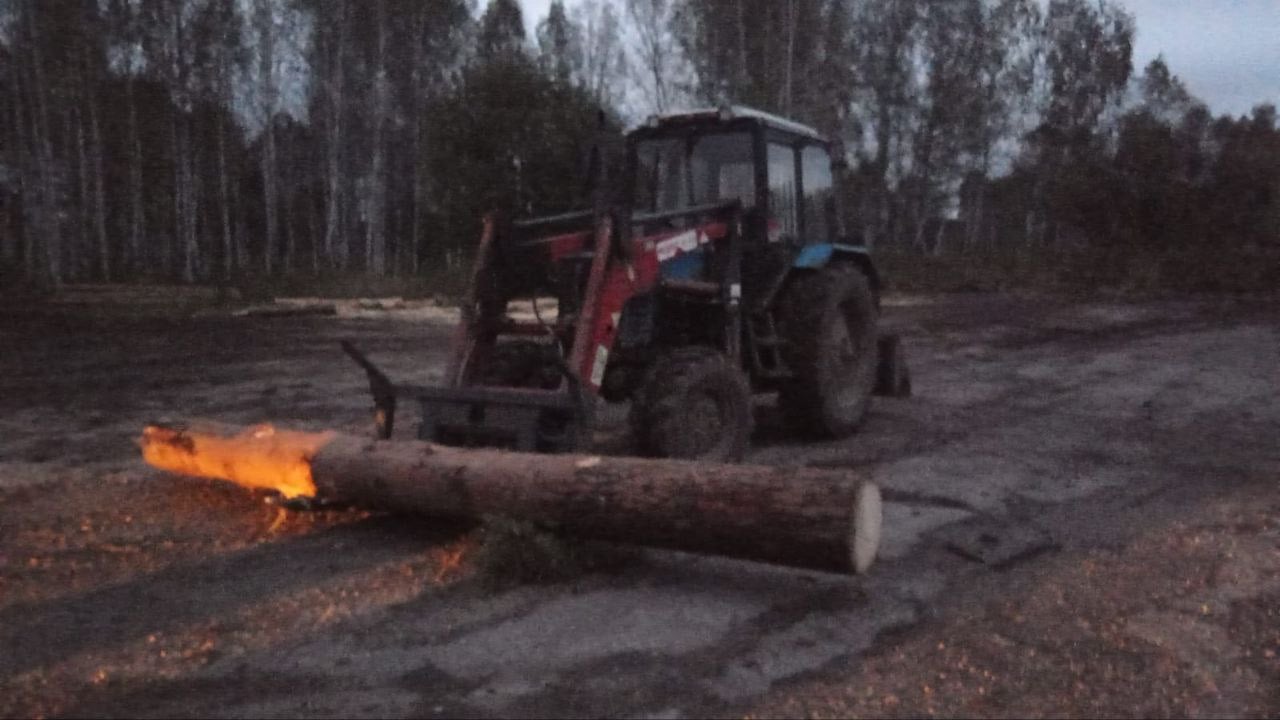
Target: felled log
{"type": "Point", "coordinates": [810, 518]}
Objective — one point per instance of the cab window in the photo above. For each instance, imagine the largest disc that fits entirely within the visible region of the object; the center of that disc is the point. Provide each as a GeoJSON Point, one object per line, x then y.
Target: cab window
{"type": "Point", "coordinates": [783, 198]}
{"type": "Point", "coordinates": [819, 194]}
{"type": "Point", "coordinates": [700, 169]}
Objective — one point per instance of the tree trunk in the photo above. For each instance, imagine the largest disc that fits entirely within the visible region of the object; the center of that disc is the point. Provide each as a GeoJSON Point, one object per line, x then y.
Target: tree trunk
{"type": "Point", "coordinates": [811, 518]}
{"type": "Point", "coordinates": [791, 57]}
{"type": "Point", "coordinates": [375, 238]}
{"type": "Point", "coordinates": [976, 220]}
{"type": "Point", "coordinates": [50, 229]}
{"type": "Point", "coordinates": [740, 72]}
{"type": "Point", "coordinates": [419, 190]}
{"type": "Point", "coordinates": [290, 239]}
{"type": "Point", "coordinates": [26, 184]}
{"type": "Point", "coordinates": [10, 243]}
{"type": "Point", "coordinates": [420, 129]}
{"type": "Point", "coordinates": [880, 193]}
{"type": "Point", "coordinates": [180, 107]}
{"type": "Point", "coordinates": [82, 253]}
{"type": "Point", "coordinates": [175, 246]}
{"type": "Point", "coordinates": [266, 68]}
{"type": "Point", "coordinates": [138, 212]}
{"type": "Point", "coordinates": [923, 171]}
{"type": "Point", "coordinates": [313, 232]}
{"type": "Point", "coordinates": [269, 199]}
{"type": "Point", "coordinates": [240, 224]}
{"type": "Point", "coordinates": [228, 241]}
{"type": "Point", "coordinates": [335, 245]}
{"type": "Point", "coordinates": [195, 256]}
{"type": "Point", "coordinates": [99, 192]}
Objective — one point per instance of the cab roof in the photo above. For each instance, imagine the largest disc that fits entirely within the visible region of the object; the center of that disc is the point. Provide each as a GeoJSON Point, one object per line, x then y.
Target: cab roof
{"type": "Point", "coordinates": [729, 113]}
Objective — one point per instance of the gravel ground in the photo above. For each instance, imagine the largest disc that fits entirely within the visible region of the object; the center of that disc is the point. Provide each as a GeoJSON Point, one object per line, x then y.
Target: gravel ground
{"type": "Point", "coordinates": [1182, 622]}
{"type": "Point", "coordinates": [1080, 519]}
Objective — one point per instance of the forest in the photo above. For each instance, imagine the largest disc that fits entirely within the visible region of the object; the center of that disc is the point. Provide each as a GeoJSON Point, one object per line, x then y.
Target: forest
{"type": "Point", "coordinates": [288, 143]}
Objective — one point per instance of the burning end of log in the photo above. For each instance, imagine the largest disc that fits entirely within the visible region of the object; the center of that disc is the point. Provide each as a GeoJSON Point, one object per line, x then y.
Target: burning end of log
{"type": "Point", "coordinates": [259, 457]}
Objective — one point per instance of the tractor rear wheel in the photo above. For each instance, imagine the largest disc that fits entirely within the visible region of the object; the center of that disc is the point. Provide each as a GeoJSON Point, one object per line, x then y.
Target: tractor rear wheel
{"type": "Point", "coordinates": [829, 323]}
{"type": "Point", "coordinates": [694, 404]}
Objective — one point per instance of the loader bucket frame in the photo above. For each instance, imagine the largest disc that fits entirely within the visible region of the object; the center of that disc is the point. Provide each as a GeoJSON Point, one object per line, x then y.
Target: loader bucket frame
{"type": "Point", "coordinates": [523, 419]}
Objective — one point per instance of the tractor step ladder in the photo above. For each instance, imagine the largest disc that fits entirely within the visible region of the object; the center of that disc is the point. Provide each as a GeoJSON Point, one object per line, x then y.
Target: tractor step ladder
{"type": "Point", "coordinates": [766, 346]}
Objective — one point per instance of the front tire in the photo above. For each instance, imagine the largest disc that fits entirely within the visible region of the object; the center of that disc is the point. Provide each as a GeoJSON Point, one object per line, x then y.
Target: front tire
{"type": "Point", "coordinates": [694, 404]}
{"type": "Point", "coordinates": [829, 322]}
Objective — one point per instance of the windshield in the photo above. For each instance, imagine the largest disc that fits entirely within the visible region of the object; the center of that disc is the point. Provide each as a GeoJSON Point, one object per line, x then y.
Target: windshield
{"type": "Point", "coordinates": [700, 169]}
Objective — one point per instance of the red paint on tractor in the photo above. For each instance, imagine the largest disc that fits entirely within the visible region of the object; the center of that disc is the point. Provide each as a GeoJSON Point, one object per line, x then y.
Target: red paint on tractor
{"type": "Point", "coordinates": [560, 246]}
{"type": "Point", "coordinates": [623, 282]}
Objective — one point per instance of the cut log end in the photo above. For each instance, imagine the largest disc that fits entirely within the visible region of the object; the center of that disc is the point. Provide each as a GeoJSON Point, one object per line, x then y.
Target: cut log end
{"type": "Point", "coordinates": [864, 540]}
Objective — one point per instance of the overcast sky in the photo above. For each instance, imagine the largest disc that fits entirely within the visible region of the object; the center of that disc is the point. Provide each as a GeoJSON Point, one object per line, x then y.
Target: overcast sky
{"type": "Point", "coordinates": [1227, 51]}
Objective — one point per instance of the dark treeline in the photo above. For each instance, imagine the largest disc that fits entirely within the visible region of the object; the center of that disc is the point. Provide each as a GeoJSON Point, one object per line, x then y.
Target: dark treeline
{"type": "Point", "coordinates": [229, 141]}
{"type": "Point", "coordinates": [219, 140]}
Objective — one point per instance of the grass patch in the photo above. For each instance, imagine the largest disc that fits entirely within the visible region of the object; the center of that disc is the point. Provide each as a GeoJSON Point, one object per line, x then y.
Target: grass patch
{"type": "Point", "coordinates": [516, 552]}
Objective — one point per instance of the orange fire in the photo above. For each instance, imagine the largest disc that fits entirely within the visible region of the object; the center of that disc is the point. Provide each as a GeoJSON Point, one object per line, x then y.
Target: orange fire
{"type": "Point", "coordinates": [451, 559]}
{"type": "Point", "coordinates": [260, 457]}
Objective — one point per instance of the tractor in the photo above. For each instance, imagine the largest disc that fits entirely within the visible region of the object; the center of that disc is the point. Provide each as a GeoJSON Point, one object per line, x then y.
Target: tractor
{"type": "Point", "coordinates": [715, 271]}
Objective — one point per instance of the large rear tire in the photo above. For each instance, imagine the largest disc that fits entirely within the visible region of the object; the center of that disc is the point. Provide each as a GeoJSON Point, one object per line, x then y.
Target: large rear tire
{"type": "Point", "coordinates": [829, 323]}
{"type": "Point", "coordinates": [694, 404]}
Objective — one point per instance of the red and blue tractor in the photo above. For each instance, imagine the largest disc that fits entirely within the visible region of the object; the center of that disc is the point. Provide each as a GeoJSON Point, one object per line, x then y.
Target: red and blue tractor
{"type": "Point", "coordinates": [718, 271]}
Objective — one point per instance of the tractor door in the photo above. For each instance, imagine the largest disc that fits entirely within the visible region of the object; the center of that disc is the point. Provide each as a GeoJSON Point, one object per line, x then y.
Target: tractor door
{"type": "Point", "coordinates": [819, 220]}
{"type": "Point", "coordinates": [784, 209]}
{"type": "Point", "coordinates": [782, 226]}
{"type": "Point", "coordinates": [801, 195]}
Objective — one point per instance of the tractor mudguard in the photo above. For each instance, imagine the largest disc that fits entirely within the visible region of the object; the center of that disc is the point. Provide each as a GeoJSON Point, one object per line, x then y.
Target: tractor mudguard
{"type": "Point", "coordinates": [816, 257]}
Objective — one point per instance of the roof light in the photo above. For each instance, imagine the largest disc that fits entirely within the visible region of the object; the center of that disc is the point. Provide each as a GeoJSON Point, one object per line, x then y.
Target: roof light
{"type": "Point", "coordinates": [652, 121]}
{"type": "Point", "coordinates": [726, 113]}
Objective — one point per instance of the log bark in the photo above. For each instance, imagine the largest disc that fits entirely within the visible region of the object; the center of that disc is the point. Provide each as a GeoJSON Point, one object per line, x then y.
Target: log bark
{"type": "Point", "coordinates": [810, 518]}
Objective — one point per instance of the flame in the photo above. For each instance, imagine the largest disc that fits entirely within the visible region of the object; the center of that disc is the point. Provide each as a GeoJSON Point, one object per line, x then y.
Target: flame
{"type": "Point", "coordinates": [260, 457]}
{"type": "Point", "coordinates": [451, 559]}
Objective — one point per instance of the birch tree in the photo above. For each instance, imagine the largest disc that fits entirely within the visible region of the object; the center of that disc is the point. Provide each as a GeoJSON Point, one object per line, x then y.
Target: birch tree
{"type": "Point", "coordinates": [265, 25]}
{"type": "Point", "coordinates": [659, 68]}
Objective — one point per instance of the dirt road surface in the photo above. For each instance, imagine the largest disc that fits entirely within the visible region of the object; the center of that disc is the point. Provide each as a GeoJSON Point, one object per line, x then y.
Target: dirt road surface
{"type": "Point", "coordinates": [1047, 436]}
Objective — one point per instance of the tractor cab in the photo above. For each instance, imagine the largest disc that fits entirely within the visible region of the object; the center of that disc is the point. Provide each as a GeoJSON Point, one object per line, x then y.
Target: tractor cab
{"type": "Point", "coordinates": [780, 171]}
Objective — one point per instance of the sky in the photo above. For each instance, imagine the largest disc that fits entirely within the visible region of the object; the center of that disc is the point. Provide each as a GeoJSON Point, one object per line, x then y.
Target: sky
{"type": "Point", "coordinates": [1226, 51]}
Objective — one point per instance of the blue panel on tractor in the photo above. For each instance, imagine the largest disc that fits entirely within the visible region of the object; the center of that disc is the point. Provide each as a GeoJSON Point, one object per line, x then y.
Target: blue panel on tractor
{"type": "Point", "coordinates": [818, 256]}
{"type": "Point", "coordinates": [688, 266]}
{"type": "Point", "coordinates": [814, 256]}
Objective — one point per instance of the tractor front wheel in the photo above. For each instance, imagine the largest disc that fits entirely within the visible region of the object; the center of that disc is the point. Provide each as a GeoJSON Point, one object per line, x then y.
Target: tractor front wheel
{"type": "Point", "coordinates": [694, 404]}
{"type": "Point", "coordinates": [829, 321]}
